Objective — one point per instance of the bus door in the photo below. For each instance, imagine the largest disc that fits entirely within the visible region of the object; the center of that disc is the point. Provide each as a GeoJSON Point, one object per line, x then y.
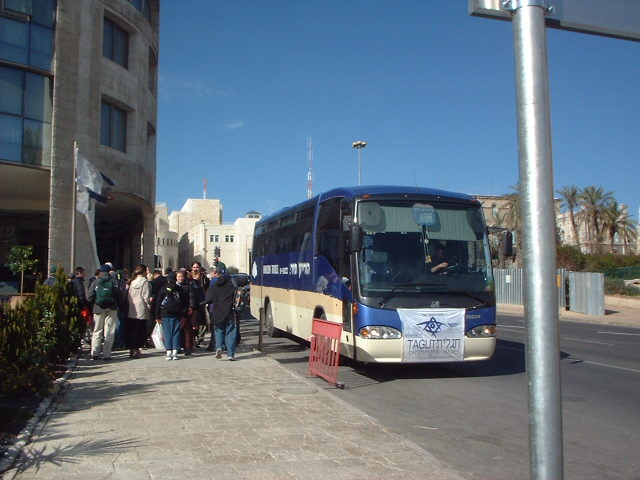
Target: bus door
{"type": "Point", "coordinates": [333, 261]}
{"type": "Point", "coordinates": [346, 218]}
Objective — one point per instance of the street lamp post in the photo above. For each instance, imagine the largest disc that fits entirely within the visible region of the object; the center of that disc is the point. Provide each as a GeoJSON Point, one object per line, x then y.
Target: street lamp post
{"type": "Point", "coordinates": [359, 145]}
{"type": "Point", "coordinates": [204, 244]}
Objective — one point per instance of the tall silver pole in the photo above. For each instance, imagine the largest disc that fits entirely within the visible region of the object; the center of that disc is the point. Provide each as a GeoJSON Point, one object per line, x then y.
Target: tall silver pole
{"type": "Point", "coordinates": [538, 235]}
{"type": "Point", "coordinates": [359, 166]}
{"type": "Point", "coordinates": [73, 208]}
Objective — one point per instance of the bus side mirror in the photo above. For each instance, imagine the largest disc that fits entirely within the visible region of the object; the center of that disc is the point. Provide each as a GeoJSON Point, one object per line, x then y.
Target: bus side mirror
{"type": "Point", "coordinates": [356, 238]}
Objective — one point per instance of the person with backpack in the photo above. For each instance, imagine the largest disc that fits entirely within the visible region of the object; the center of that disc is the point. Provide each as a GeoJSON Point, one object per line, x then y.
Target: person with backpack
{"type": "Point", "coordinates": [171, 305]}
{"type": "Point", "coordinates": [221, 296]}
{"type": "Point", "coordinates": [104, 295]}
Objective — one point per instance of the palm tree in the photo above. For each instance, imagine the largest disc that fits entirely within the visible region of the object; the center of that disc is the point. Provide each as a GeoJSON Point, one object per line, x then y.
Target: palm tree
{"type": "Point", "coordinates": [617, 221]}
{"type": "Point", "coordinates": [594, 201]}
{"type": "Point", "coordinates": [512, 216]}
{"type": "Point", "coordinates": [513, 203]}
{"type": "Point", "coordinates": [570, 199]}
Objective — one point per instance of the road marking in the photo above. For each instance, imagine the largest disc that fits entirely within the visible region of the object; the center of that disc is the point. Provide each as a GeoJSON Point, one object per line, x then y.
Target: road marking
{"type": "Point", "coordinates": [612, 366]}
{"type": "Point", "coordinates": [587, 341]}
{"type": "Point", "coordinates": [620, 333]}
{"type": "Point", "coordinates": [511, 326]}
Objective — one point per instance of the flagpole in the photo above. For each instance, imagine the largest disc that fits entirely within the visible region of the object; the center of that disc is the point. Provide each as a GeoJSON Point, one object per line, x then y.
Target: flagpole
{"type": "Point", "coordinates": [73, 207]}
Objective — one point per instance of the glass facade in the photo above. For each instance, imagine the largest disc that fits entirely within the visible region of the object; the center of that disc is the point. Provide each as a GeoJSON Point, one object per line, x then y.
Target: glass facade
{"type": "Point", "coordinates": [26, 90]}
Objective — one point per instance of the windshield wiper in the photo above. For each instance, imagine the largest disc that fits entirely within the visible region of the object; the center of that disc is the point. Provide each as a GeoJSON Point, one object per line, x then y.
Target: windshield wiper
{"type": "Point", "coordinates": [470, 295]}
{"type": "Point", "coordinates": [393, 291]}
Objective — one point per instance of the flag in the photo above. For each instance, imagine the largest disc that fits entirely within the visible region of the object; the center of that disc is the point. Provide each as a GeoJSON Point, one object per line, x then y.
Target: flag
{"type": "Point", "coordinates": [92, 183]}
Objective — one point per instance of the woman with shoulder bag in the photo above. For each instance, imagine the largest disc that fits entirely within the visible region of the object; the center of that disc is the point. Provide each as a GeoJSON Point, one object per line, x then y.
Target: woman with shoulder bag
{"type": "Point", "coordinates": [138, 312]}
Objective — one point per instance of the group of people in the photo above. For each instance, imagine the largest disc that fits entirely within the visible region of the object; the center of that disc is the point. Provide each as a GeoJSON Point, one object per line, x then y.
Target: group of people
{"type": "Point", "coordinates": [181, 302]}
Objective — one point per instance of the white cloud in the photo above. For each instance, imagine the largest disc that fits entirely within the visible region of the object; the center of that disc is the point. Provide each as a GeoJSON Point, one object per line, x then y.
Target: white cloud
{"type": "Point", "coordinates": [173, 88]}
{"type": "Point", "coordinates": [233, 125]}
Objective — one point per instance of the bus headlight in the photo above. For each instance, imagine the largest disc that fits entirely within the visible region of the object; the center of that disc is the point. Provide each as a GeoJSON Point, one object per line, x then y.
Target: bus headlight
{"type": "Point", "coordinates": [482, 331]}
{"type": "Point", "coordinates": [377, 332]}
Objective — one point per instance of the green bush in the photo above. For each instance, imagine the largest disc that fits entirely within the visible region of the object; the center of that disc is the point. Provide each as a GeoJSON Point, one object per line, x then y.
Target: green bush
{"type": "Point", "coordinates": [36, 336]}
{"type": "Point", "coordinates": [616, 286]}
{"type": "Point", "coordinates": [570, 258]}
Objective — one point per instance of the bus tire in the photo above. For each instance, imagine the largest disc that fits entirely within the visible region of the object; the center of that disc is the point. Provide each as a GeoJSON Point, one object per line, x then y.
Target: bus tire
{"type": "Point", "coordinates": [268, 320]}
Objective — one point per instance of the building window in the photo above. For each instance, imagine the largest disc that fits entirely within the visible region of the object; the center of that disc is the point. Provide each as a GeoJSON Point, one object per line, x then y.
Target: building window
{"type": "Point", "coordinates": [153, 70]}
{"type": "Point", "coordinates": [228, 238]}
{"type": "Point", "coordinates": [25, 117]}
{"type": "Point", "coordinates": [28, 37]}
{"type": "Point", "coordinates": [113, 127]}
{"type": "Point", "coordinates": [18, 6]}
{"type": "Point", "coordinates": [143, 6]}
{"type": "Point", "coordinates": [115, 43]}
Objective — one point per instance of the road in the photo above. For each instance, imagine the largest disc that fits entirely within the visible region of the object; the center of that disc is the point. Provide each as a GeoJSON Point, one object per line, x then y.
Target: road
{"type": "Point", "coordinates": [475, 415]}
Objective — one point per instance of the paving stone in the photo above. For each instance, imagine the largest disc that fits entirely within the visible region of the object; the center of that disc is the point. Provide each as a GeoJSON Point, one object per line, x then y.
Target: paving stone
{"type": "Point", "coordinates": [205, 418]}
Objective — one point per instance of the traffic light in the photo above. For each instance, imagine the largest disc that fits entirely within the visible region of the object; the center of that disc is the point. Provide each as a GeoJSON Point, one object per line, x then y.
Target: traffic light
{"type": "Point", "coordinates": [216, 252]}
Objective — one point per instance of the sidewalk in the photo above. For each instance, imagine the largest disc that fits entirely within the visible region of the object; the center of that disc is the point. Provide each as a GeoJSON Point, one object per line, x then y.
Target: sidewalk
{"type": "Point", "coordinates": [622, 316]}
{"type": "Point", "coordinates": [203, 418]}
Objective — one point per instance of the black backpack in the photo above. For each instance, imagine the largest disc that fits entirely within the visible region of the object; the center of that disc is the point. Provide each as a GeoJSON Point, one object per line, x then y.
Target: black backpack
{"type": "Point", "coordinates": [239, 297]}
{"type": "Point", "coordinates": [172, 302]}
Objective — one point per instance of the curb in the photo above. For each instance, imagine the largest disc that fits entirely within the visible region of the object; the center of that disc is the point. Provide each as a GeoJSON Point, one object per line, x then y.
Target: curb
{"type": "Point", "coordinates": [24, 437]}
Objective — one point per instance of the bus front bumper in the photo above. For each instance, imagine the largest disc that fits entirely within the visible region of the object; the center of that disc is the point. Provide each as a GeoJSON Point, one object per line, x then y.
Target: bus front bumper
{"type": "Point", "coordinates": [391, 350]}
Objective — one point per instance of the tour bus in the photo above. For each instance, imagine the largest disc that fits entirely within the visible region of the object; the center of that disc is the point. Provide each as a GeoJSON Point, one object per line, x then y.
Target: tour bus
{"type": "Point", "coordinates": [406, 271]}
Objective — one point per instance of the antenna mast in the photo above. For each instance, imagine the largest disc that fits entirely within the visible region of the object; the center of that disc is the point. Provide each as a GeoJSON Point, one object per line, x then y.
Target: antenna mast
{"type": "Point", "coordinates": [310, 172]}
{"type": "Point", "coordinates": [204, 188]}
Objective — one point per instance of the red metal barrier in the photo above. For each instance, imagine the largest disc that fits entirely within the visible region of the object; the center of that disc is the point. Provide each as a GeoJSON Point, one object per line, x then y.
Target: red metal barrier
{"type": "Point", "coordinates": [325, 350]}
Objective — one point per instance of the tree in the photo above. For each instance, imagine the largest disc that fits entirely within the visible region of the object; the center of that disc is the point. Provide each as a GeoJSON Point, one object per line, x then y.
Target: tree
{"type": "Point", "coordinates": [616, 220]}
{"type": "Point", "coordinates": [594, 201]}
{"type": "Point", "coordinates": [570, 200]}
{"type": "Point", "coordinates": [512, 217]}
{"type": "Point", "coordinates": [21, 260]}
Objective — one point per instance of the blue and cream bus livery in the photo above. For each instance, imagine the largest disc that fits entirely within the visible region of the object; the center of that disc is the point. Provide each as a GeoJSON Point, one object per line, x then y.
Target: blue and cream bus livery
{"type": "Point", "coordinates": [406, 271]}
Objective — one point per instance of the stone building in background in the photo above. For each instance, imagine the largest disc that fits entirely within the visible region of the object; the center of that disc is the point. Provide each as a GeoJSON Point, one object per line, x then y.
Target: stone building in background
{"type": "Point", "coordinates": [200, 232]}
{"type": "Point", "coordinates": [78, 71]}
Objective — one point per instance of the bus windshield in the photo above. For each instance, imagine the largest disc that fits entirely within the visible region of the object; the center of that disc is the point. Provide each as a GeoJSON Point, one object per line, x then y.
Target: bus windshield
{"type": "Point", "coordinates": [422, 254]}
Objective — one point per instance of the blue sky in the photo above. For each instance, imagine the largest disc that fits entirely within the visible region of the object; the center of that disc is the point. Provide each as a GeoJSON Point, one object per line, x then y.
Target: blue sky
{"type": "Point", "coordinates": [429, 88]}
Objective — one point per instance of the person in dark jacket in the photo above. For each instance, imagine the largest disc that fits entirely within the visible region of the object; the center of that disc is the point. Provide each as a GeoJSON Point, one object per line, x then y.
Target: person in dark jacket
{"type": "Point", "coordinates": [170, 318]}
{"type": "Point", "coordinates": [197, 294]}
{"type": "Point", "coordinates": [182, 280]}
{"type": "Point", "coordinates": [105, 316]}
{"type": "Point", "coordinates": [158, 281]}
{"type": "Point", "coordinates": [51, 279]}
{"type": "Point", "coordinates": [221, 295]}
{"type": "Point", "coordinates": [78, 288]}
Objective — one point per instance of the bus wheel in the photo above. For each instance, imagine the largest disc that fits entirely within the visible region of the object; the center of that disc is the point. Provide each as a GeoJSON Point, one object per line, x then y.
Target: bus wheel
{"type": "Point", "coordinates": [268, 318]}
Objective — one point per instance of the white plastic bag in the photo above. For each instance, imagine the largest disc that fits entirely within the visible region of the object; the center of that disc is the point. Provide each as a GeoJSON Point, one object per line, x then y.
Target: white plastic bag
{"type": "Point", "coordinates": [158, 337]}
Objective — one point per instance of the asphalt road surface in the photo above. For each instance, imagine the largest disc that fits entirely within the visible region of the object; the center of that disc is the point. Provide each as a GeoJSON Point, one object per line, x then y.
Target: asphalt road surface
{"type": "Point", "coordinates": [475, 415]}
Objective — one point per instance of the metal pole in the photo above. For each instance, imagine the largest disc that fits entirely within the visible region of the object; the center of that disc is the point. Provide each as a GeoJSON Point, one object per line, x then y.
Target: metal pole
{"type": "Point", "coordinates": [538, 235]}
{"type": "Point", "coordinates": [359, 166]}
{"type": "Point", "coordinates": [73, 208]}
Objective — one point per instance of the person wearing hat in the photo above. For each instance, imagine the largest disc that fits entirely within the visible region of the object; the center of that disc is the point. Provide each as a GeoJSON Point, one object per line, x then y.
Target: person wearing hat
{"type": "Point", "coordinates": [51, 279]}
{"type": "Point", "coordinates": [105, 297]}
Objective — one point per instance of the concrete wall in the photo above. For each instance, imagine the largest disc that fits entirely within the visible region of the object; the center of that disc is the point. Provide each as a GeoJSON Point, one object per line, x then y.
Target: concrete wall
{"type": "Point", "coordinates": [83, 78]}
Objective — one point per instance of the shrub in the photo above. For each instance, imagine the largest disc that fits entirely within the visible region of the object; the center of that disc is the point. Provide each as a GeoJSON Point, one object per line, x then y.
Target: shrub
{"type": "Point", "coordinates": [616, 286]}
{"type": "Point", "coordinates": [36, 335]}
{"type": "Point", "coordinates": [570, 258]}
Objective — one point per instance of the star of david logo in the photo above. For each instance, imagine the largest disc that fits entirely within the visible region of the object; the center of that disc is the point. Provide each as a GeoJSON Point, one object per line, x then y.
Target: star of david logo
{"type": "Point", "coordinates": [432, 326]}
